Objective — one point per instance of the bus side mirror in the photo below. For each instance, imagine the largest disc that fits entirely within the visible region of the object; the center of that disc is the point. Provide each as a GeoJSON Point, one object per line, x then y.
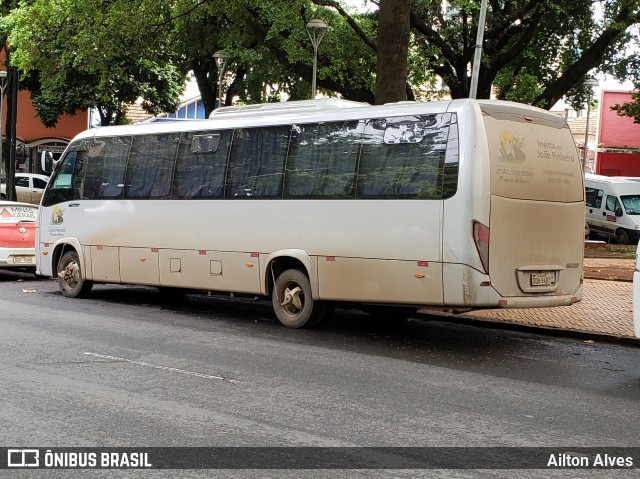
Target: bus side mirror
{"type": "Point", "coordinates": [619, 212]}
{"type": "Point", "coordinates": [47, 162]}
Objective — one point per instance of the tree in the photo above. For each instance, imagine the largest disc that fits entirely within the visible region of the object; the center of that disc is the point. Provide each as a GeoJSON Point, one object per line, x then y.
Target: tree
{"type": "Point", "coordinates": [83, 53]}
{"type": "Point", "coordinates": [270, 51]}
{"type": "Point", "coordinates": [533, 51]}
{"type": "Point", "coordinates": [392, 51]}
{"type": "Point", "coordinates": [78, 54]}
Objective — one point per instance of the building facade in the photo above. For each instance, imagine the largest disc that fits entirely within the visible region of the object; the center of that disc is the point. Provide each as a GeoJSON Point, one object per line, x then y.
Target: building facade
{"type": "Point", "coordinates": [618, 138]}
{"type": "Point", "coordinates": [32, 137]}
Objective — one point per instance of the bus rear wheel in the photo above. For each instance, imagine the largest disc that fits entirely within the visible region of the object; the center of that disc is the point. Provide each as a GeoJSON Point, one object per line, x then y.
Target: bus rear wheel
{"type": "Point", "coordinates": [70, 279]}
{"type": "Point", "coordinates": [292, 301]}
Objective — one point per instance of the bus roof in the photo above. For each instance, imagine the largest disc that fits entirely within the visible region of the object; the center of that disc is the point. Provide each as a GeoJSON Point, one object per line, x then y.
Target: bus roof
{"type": "Point", "coordinates": [309, 111]}
{"type": "Point", "coordinates": [286, 106]}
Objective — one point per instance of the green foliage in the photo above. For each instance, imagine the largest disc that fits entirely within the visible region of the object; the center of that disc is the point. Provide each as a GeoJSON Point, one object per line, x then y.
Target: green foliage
{"type": "Point", "coordinates": [627, 251]}
{"type": "Point", "coordinates": [533, 51]}
{"type": "Point", "coordinates": [107, 53]}
{"type": "Point", "coordinates": [78, 54]}
{"type": "Point", "coordinates": [631, 108]}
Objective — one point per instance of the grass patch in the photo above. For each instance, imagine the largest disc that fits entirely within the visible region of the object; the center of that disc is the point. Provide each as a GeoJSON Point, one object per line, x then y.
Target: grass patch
{"type": "Point", "coordinates": [625, 251]}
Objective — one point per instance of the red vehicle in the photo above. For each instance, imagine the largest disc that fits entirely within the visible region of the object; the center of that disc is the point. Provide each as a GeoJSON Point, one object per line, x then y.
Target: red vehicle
{"type": "Point", "coordinates": [17, 234]}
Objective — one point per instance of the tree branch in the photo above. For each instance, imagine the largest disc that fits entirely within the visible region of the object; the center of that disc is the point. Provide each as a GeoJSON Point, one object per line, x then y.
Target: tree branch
{"type": "Point", "coordinates": [591, 57]}
{"type": "Point", "coordinates": [505, 57]}
{"type": "Point", "coordinates": [433, 37]}
{"type": "Point", "coordinates": [275, 45]}
{"type": "Point", "coordinates": [349, 19]}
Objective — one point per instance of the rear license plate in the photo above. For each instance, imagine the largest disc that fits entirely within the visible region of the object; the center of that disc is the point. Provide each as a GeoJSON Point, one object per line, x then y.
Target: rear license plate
{"type": "Point", "coordinates": [23, 259]}
{"type": "Point", "coordinates": [541, 279]}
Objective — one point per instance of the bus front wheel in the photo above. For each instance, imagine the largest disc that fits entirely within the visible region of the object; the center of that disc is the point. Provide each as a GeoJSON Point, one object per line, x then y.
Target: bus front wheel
{"type": "Point", "coordinates": [292, 301]}
{"type": "Point", "coordinates": [70, 279]}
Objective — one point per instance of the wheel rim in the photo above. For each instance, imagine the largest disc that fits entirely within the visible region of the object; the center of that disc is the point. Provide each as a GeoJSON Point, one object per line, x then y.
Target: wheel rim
{"type": "Point", "coordinates": [292, 299]}
{"type": "Point", "coordinates": [70, 275]}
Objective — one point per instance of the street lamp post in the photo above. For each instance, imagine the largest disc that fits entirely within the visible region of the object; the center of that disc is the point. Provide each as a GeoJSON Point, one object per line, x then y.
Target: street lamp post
{"type": "Point", "coordinates": [589, 83]}
{"type": "Point", "coordinates": [3, 87]}
{"type": "Point", "coordinates": [477, 55]}
{"type": "Point", "coordinates": [316, 30]}
{"type": "Point", "coordinates": [221, 58]}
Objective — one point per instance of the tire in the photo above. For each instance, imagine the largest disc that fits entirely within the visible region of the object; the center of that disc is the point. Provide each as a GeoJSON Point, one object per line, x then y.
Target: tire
{"type": "Point", "coordinates": [70, 279]}
{"type": "Point", "coordinates": [292, 302]}
{"type": "Point", "coordinates": [622, 237]}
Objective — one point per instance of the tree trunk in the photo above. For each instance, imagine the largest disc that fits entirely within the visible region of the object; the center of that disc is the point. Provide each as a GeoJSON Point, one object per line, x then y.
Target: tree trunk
{"type": "Point", "coordinates": [206, 76]}
{"type": "Point", "coordinates": [393, 48]}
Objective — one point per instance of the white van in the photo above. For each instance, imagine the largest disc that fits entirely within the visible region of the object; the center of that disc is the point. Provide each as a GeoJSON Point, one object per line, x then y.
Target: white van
{"type": "Point", "coordinates": [613, 207]}
{"type": "Point", "coordinates": [630, 178]}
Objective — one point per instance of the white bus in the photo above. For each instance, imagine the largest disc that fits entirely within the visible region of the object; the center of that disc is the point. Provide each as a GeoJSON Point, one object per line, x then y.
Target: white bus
{"type": "Point", "coordinates": [457, 204]}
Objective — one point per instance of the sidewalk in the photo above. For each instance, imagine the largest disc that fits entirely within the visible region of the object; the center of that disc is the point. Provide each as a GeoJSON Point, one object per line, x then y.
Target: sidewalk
{"type": "Point", "coordinates": [605, 309]}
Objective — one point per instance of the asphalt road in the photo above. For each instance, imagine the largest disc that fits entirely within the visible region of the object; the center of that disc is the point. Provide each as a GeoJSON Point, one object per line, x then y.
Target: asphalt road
{"type": "Point", "coordinates": [126, 368]}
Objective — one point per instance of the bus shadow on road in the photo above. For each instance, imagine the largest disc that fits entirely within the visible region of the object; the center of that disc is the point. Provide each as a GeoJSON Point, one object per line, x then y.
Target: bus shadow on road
{"type": "Point", "coordinates": [422, 338]}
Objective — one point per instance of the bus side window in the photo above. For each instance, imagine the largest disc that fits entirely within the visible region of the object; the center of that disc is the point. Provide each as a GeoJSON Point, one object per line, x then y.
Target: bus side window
{"type": "Point", "coordinates": [322, 160]}
{"type": "Point", "coordinates": [201, 165]}
{"type": "Point", "coordinates": [256, 162]}
{"type": "Point", "coordinates": [150, 165]}
{"type": "Point", "coordinates": [451, 161]}
{"type": "Point", "coordinates": [106, 161]}
{"type": "Point", "coordinates": [404, 157]}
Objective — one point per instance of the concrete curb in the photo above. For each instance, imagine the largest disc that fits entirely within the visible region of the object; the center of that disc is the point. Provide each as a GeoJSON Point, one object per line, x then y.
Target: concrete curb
{"type": "Point", "coordinates": [469, 320]}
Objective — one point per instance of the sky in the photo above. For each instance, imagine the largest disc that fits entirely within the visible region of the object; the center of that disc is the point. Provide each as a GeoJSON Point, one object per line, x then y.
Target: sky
{"type": "Point", "coordinates": [359, 4]}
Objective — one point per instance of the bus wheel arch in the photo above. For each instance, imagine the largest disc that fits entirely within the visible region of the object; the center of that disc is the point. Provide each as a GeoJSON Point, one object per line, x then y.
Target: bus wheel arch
{"type": "Point", "coordinates": [57, 253]}
{"type": "Point", "coordinates": [279, 261]}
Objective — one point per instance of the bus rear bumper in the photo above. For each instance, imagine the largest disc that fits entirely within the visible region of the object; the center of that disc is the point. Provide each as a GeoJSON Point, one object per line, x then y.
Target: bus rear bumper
{"type": "Point", "coordinates": [541, 301]}
{"type": "Point", "coordinates": [467, 287]}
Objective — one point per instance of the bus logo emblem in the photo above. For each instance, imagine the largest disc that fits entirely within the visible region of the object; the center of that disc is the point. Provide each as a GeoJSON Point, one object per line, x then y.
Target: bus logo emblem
{"type": "Point", "coordinates": [56, 216]}
{"type": "Point", "coordinates": [511, 148]}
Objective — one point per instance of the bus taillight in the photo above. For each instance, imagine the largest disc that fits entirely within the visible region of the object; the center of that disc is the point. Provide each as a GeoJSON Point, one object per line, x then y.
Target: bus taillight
{"type": "Point", "coordinates": [481, 239]}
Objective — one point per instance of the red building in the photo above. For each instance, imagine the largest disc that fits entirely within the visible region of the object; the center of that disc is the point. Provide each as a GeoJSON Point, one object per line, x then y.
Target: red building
{"type": "Point", "coordinates": [32, 137]}
{"type": "Point", "coordinates": [617, 138]}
